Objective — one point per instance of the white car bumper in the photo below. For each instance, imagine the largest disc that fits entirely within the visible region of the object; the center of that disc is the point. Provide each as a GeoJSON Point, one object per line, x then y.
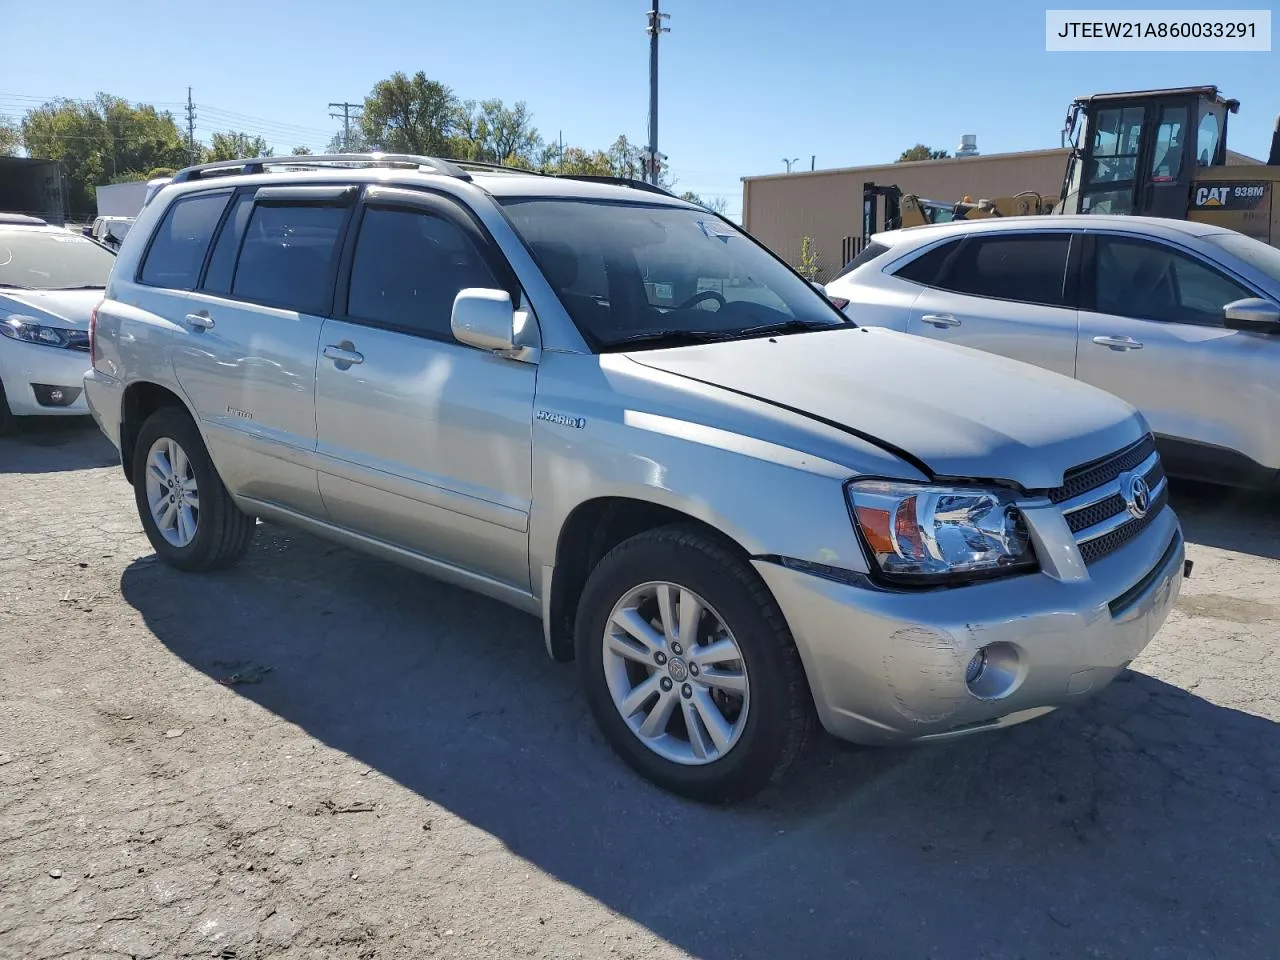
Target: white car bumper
{"type": "Point", "coordinates": [42, 381]}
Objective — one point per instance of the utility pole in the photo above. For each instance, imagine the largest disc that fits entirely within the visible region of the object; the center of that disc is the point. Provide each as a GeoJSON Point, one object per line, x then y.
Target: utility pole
{"type": "Point", "coordinates": [653, 159]}
{"type": "Point", "coordinates": [191, 128]}
{"type": "Point", "coordinates": [346, 122]}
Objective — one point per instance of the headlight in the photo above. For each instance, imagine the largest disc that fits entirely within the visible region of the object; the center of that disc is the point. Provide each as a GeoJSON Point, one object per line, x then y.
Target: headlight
{"type": "Point", "coordinates": [927, 534]}
{"type": "Point", "coordinates": [28, 331]}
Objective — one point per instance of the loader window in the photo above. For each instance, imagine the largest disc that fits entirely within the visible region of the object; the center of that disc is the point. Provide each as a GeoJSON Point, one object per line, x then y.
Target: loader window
{"type": "Point", "coordinates": [1207, 136]}
{"type": "Point", "coordinates": [1117, 137]}
{"type": "Point", "coordinates": [1166, 158]}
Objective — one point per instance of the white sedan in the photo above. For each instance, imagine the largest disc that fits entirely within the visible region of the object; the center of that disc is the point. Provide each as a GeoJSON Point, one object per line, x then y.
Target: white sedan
{"type": "Point", "coordinates": [1181, 319]}
{"type": "Point", "coordinates": [50, 279]}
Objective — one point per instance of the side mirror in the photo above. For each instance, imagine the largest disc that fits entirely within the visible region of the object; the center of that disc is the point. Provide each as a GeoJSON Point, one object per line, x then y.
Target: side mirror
{"type": "Point", "coordinates": [1252, 313]}
{"type": "Point", "coordinates": [484, 319]}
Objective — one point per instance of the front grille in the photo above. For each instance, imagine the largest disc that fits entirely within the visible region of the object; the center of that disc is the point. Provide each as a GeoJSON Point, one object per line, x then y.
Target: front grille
{"type": "Point", "coordinates": [1093, 475]}
{"type": "Point", "coordinates": [1092, 498]}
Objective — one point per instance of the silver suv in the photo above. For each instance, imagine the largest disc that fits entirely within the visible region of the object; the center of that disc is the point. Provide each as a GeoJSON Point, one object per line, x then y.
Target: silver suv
{"type": "Point", "coordinates": [738, 511]}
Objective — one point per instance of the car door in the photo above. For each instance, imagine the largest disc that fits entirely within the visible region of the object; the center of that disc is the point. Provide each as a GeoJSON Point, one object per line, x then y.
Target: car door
{"type": "Point", "coordinates": [424, 443]}
{"type": "Point", "coordinates": [1152, 332]}
{"type": "Point", "coordinates": [1005, 293]}
{"type": "Point", "coordinates": [247, 354]}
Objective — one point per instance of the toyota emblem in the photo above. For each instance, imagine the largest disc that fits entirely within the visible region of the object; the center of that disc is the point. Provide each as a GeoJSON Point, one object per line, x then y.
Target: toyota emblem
{"type": "Point", "coordinates": [1137, 496]}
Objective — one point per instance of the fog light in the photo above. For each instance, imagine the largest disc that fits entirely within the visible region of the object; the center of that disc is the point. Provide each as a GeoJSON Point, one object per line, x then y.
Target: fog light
{"type": "Point", "coordinates": [995, 671]}
{"type": "Point", "coordinates": [48, 395]}
{"type": "Point", "coordinates": [977, 663]}
{"type": "Point", "coordinates": [55, 395]}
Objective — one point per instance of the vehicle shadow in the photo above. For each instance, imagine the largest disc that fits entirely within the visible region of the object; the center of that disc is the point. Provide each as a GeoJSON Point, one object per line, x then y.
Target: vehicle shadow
{"type": "Point", "coordinates": [1141, 823]}
{"type": "Point", "coordinates": [1244, 521]}
{"type": "Point", "coordinates": [55, 444]}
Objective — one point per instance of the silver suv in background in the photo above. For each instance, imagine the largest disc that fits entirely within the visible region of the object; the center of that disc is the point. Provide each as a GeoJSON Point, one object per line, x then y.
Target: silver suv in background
{"type": "Point", "coordinates": [739, 512]}
{"type": "Point", "coordinates": [1181, 319]}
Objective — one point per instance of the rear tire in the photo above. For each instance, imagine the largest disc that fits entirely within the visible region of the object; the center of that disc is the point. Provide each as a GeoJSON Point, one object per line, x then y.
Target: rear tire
{"type": "Point", "coordinates": [186, 512]}
{"type": "Point", "coordinates": [764, 711]}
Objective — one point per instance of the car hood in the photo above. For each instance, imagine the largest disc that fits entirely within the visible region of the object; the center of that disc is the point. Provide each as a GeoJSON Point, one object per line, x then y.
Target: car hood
{"type": "Point", "coordinates": [952, 411]}
{"type": "Point", "coordinates": [56, 308]}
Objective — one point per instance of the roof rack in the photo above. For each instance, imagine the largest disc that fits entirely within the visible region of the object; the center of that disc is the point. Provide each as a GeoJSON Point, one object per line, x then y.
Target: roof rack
{"type": "Point", "coordinates": [252, 165]}
{"type": "Point", "coordinates": [617, 181]}
{"type": "Point", "coordinates": [498, 167]}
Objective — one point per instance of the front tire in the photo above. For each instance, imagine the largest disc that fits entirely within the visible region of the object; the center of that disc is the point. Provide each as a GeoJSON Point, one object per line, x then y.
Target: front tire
{"type": "Point", "coordinates": [689, 667]}
{"type": "Point", "coordinates": [186, 512]}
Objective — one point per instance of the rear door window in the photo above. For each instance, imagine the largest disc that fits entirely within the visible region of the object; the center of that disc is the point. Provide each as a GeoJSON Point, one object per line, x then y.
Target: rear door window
{"type": "Point", "coordinates": [1030, 268]}
{"type": "Point", "coordinates": [288, 255]}
{"type": "Point", "coordinates": [181, 241]}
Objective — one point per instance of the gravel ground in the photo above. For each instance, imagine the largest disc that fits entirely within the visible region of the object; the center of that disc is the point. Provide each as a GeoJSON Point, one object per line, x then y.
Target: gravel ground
{"type": "Point", "coordinates": [318, 755]}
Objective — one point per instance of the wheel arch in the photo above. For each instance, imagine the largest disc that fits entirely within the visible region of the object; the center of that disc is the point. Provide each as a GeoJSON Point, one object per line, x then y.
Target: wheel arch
{"type": "Point", "coordinates": [591, 530]}
{"type": "Point", "coordinates": [141, 399]}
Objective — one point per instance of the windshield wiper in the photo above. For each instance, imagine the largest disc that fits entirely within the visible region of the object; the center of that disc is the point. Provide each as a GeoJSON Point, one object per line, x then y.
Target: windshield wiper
{"type": "Point", "coordinates": [671, 338]}
{"type": "Point", "coordinates": [13, 286]}
{"type": "Point", "coordinates": [83, 286]}
{"type": "Point", "coordinates": [787, 326]}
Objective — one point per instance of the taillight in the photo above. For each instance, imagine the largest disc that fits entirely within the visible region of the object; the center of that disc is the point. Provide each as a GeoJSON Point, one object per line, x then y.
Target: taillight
{"type": "Point", "coordinates": [840, 302]}
{"type": "Point", "coordinates": [93, 334]}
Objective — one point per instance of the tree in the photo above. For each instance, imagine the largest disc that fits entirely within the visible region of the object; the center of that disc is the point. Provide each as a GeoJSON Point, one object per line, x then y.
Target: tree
{"type": "Point", "coordinates": [301, 151]}
{"type": "Point", "coordinates": [715, 205]}
{"type": "Point", "coordinates": [101, 140]}
{"type": "Point", "coordinates": [808, 267]}
{"type": "Point", "coordinates": [495, 133]}
{"type": "Point", "coordinates": [10, 138]}
{"type": "Point", "coordinates": [922, 152]}
{"type": "Point", "coordinates": [234, 145]}
{"type": "Point", "coordinates": [411, 115]}
{"type": "Point", "coordinates": [341, 144]}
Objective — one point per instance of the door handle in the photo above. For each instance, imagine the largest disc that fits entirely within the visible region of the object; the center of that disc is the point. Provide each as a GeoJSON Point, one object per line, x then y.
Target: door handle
{"type": "Point", "coordinates": [342, 355]}
{"type": "Point", "coordinates": [1118, 343]}
{"type": "Point", "coordinates": [940, 320]}
{"type": "Point", "coordinates": [201, 321]}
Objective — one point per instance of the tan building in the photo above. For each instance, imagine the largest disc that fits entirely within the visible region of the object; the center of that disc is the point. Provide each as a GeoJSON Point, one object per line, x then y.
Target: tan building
{"type": "Point", "coordinates": [826, 205]}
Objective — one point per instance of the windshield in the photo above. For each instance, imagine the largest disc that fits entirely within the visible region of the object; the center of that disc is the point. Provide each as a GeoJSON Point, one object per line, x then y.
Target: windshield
{"type": "Point", "coordinates": [1253, 252]}
{"type": "Point", "coordinates": [52, 260]}
{"type": "Point", "coordinates": [632, 272]}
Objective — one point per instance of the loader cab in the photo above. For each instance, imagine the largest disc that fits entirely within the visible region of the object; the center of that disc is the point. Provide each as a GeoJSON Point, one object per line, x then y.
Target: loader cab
{"type": "Point", "coordinates": [1137, 153]}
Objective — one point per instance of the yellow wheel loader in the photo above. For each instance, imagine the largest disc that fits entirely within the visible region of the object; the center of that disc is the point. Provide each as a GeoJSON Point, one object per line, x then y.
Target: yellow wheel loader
{"type": "Point", "coordinates": [1150, 153]}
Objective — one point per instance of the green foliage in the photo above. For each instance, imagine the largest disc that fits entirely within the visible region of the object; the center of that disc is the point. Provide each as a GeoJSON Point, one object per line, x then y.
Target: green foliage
{"type": "Point", "coordinates": [234, 145]}
{"type": "Point", "coordinates": [301, 151]}
{"type": "Point", "coordinates": [808, 267]}
{"type": "Point", "coordinates": [10, 138]}
{"type": "Point", "coordinates": [411, 115]}
{"type": "Point", "coordinates": [101, 141]}
{"type": "Point", "coordinates": [922, 152]}
{"type": "Point", "coordinates": [495, 133]}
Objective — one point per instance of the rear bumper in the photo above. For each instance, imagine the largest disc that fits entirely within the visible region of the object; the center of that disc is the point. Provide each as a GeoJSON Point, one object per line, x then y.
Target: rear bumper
{"type": "Point", "coordinates": [889, 667]}
{"type": "Point", "coordinates": [43, 381]}
{"type": "Point", "coordinates": [104, 395]}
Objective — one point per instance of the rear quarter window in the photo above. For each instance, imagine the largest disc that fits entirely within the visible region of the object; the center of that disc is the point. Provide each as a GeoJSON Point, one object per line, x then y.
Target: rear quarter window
{"type": "Point", "coordinates": [870, 252]}
{"type": "Point", "coordinates": [180, 242]}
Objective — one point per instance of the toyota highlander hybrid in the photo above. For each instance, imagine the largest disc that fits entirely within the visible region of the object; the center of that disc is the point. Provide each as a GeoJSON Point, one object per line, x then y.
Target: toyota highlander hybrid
{"type": "Point", "coordinates": [740, 513]}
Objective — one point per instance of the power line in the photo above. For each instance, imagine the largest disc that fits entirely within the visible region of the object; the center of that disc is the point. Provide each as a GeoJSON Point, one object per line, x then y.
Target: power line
{"type": "Point", "coordinates": [346, 122]}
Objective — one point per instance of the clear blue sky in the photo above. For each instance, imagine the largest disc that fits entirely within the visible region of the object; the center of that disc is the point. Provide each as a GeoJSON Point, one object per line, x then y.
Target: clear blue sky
{"type": "Point", "coordinates": [744, 82]}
